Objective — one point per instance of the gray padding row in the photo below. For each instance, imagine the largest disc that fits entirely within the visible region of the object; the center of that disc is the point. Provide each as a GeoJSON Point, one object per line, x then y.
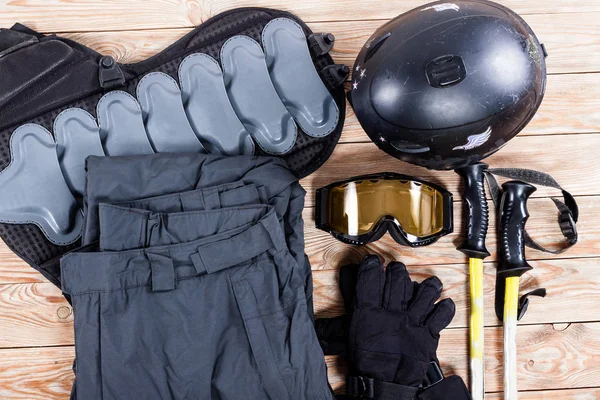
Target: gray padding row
{"type": "Point", "coordinates": [253, 96]}
{"type": "Point", "coordinates": [256, 94]}
{"type": "Point", "coordinates": [34, 190]}
{"type": "Point", "coordinates": [296, 80]}
{"type": "Point", "coordinates": [165, 119]}
{"type": "Point", "coordinates": [208, 108]}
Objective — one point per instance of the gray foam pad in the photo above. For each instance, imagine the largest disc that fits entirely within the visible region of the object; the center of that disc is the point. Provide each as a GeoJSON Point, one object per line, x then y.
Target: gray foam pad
{"type": "Point", "coordinates": [208, 108]}
{"type": "Point", "coordinates": [296, 79]}
{"type": "Point", "coordinates": [121, 124]}
{"type": "Point", "coordinates": [34, 190]}
{"type": "Point", "coordinates": [166, 124]}
{"type": "Point", "coordinates": [253, 96]}
{"type": "Point", "coordinates": [77, 137]}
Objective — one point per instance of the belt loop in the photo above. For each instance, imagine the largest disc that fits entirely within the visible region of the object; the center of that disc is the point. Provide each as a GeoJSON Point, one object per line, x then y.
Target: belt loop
{"type": "Point", "coordinates": [198, 263]}
{"type": "Point", "coordinates": [212, 199]}
{"type": "Point", "coordinates": [163, 273]}
{"type": "Point", "coordinates": [273, 228]}
{"type": "Point", "coordinates": [262, 194]}
{"type": "Point", "coordinates": [152, 223]}
{"type": "Point", "coordinates": [192, 201]}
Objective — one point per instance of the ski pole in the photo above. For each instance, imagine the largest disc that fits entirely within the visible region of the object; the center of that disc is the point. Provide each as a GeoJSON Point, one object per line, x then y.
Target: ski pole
{"type": "Point", "coordinates": [476, 215]}
{"type": "Point", "coordinates": [511, 265]}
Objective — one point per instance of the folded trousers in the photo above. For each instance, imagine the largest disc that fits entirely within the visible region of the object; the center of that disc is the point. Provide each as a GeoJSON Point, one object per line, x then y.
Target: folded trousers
{"type": "Point", "coordinates": [220, 315]}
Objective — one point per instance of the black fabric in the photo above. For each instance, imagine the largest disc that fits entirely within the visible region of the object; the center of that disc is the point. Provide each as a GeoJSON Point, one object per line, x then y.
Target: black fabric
{"type": "Point", "coordinates": [221, 311]}
{"type": "Point", "coordinates": [333, 332]}
{"type": "Point", "coordinates": [369, 388]}
{"type": "Point", "coordinates": [393, 334]}
{"type": "Point", "coordinates": [568, 210]}
{"type": "Point", "coordinates": [452, 387]}
{"type": "Point", "coordinates": [195, 251]}
{"type": "Point", "coordinates": [42, 77]}
{"type": "Point", "coordinates": [396, 323]}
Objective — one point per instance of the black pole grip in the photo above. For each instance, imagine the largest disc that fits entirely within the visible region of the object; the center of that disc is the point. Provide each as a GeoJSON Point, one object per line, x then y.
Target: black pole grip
{"type": "Point", "coordinates": [476, 210]}
{"type": "Point", "coordinates": [511, 256]}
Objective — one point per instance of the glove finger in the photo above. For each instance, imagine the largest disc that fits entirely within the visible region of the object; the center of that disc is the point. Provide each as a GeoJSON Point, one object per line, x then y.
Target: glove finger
{"type": "Point", "coordinates": [398, 288]}
{"type": "Point", "coordinates": [348, 279]}
{"type": "Point", "coordinates": [332, 334]}
{"type": "Point", "coordinates": [441, 316]}
{"type": "Point", "coordinates": [370, 282]}
{"type": "Point", "coordinates": [428, 292]}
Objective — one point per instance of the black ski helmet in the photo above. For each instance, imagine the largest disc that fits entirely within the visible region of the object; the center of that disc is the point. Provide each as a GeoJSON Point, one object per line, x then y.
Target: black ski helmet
{"type": "Point", "coordinates": [448, 83]}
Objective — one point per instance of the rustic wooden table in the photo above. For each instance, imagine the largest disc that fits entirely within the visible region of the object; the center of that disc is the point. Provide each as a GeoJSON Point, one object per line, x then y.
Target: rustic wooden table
{"type": "Point", "coordinates": [558, 345]}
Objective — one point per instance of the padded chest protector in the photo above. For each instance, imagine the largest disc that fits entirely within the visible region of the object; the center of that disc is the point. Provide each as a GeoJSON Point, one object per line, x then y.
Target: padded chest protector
{"type": "Point", "coordinates": [92, 105]}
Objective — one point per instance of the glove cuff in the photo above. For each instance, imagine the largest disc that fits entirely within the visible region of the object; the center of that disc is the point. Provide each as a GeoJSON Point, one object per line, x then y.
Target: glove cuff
{"type": "Point", "coordinates": [364, 387]}
{"type": "Point", "coordinates": [368, 388]}
{"type": "Point", "coordinates": [451, 387]}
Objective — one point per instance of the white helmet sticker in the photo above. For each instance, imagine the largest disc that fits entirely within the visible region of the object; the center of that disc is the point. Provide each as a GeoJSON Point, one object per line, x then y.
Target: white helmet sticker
{"type": "Point", "coordinates": [442, 7]}
{"type": "Point", "coordinates": [474, 141]}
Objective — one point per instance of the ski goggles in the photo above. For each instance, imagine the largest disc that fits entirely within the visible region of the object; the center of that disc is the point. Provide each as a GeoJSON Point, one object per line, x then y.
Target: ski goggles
{"type": "Point", "coordinates": [361, 209]}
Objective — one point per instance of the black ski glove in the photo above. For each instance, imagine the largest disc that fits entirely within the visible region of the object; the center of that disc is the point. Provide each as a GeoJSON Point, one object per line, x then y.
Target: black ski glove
{"type": "Point", "coordinates": [333, 332]}
{"type": "Point", "coordinates": [394, 331]}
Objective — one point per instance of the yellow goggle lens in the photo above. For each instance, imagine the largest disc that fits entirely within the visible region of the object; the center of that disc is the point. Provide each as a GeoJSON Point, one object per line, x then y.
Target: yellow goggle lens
{"type": "Point", "coordinates": [355, 207]}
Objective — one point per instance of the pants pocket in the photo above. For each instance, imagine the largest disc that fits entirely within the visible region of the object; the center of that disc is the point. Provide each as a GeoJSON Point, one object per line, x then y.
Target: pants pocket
{"type": "Point", "coordinates": [259, 341]}
{"type": "Point", "coordinates": [282, 337]}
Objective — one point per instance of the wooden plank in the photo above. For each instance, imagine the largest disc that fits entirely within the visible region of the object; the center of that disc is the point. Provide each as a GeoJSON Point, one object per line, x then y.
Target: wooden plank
{"type": "Point", "coordinates": [550, 357]}
{"type": "Point", "coordinates": [566, 157]}
{"type": "Point", "coordinates": [573, 283]}
{"type": "Point", "coordinates": [34, 315]}
{"type": "Point", "coordinates": [36, 374]}
{"type": "Point", "coordinates": [38, 315]}
{"type": "Point", "coordinates": [569, 105]}
{"type": "Point", "coordinates": [568, 394]}
{"type": "Point", "coordinates": [567, 108]}
{"type": "Point", "coordinates": [569, 38]}
{"type": "Point", "coordinates": [86, 15]}
{"type": "Point", "coordinates": [13, 269]}
{"type": "Point", "coordinates": [325, 252]}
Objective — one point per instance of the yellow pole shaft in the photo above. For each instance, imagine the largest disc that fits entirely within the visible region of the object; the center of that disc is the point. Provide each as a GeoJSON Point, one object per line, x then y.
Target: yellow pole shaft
{"type": "Point", "coordinates": [476, 328]}
{"type": "Point", "coordinates": [511, 306]}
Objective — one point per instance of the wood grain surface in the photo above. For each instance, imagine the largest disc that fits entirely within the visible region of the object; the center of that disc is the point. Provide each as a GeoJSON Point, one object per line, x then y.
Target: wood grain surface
{"type": "Point", "coordinates": [559, 350]}
{"type": "Point", "coordinates": [117, 15]}
{"type": "Point", "coordinates": [36, 314]}
{"type": "Point", "coordinates": [569, 39]}
{"type": "Point", "coordinates": [566, 157]}
{"type": "Point", "coordinates": [550, 357]}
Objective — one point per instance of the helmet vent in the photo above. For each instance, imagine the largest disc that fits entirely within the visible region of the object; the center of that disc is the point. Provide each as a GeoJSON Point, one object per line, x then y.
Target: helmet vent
{"type": "Point", "coordinates": [375, 45]}
{"type": "Point", "coordinates": [408, 147]}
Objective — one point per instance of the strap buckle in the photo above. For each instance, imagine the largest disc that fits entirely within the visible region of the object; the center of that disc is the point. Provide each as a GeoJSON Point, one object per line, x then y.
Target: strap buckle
{"type": "Point", "coordinates": [110, 74]}
{"type": "Point", "coordinates": [568, 227]}
{"type": "Point", "coordinates": [361, 387]}
{"type": "Point", "coordinates": [335, 75]}
{"type": "Point", "coordinates": [524, 301]}
{"type": "Point", "coordinates": [434, 375]}
{"type": "Point", "coordinates": [320, 43]}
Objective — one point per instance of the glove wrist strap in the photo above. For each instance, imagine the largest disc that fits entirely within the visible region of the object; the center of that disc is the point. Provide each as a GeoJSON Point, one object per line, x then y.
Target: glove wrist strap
{"type": "Point", "coordinates": [364, 387]}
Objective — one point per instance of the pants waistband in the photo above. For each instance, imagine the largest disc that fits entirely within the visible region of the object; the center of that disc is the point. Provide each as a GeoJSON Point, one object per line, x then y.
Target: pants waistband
{"type": "Point", "coordinates": [161, 267]}
{"type": "Point", "coordinates": [124, 228]}
{"type": "Point", "coordinates": [227, 195]}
